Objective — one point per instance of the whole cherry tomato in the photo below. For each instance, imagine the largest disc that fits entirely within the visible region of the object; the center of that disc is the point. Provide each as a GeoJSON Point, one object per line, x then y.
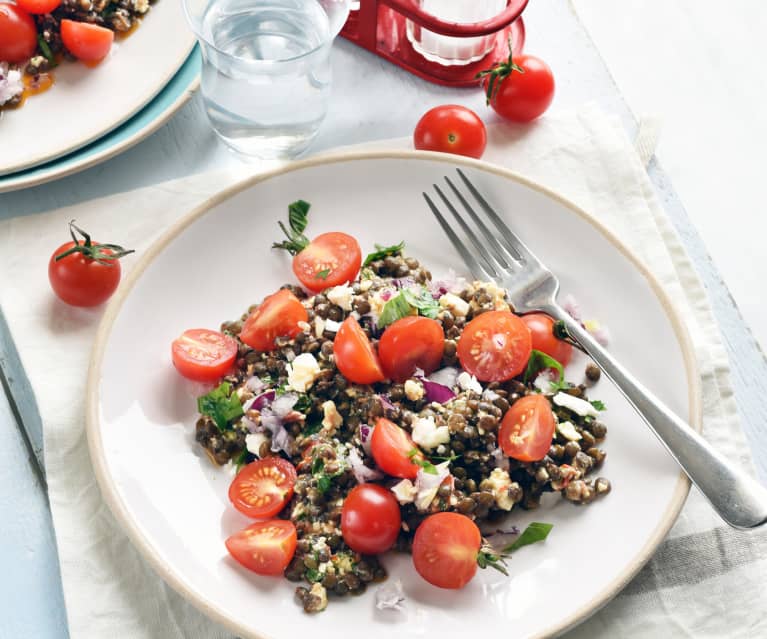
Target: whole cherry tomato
{"type": "Point", "coordinates": [451, 128]}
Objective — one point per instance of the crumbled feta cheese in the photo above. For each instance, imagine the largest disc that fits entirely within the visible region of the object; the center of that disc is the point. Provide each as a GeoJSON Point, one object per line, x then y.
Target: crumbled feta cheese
{"type": "Point", "coordinates": [567, 430]}
{"type": "Point", "coordinates": [253, 442]}
{"type": "Point", "coordinates": [543, 380]}
{"type": "Point", "coordinates": [11, 83]}
{"type": "Point", "coordinates": [498, 483]}
{"type": "Point", "coordinates": [365, 285]}
{"type": "Point", "coordinates": [332, 326]}
{"type": "Point", "coordinates": [576, 404]}
{"type": "Point", "coordinates": [413, 390]}
{"type": "Point", "coordinates": [319, 326]}
{"type": "Point", "coordinates": [468, 382]}
{"type": "Point", "coordinates": [302, 372]}
{"type": "Point", "coordinates": [331, 418]}
{"type": "Point", "coordinates": [341, 296]}
{"type": "Point", "coordinates": [499, 296]}
{"type": "Point", "coordinates": [390, 596]}
{"type": "Point", "coordinates": [454, 304]}
{"type": "Point", "coordinates": [428, 484]}
{"type": "Point", "coordinates": [141, 6]}
{"type": "Point", "coordinates": [404, 491]}
{"type": "Point", "coordinates": [428, 435]}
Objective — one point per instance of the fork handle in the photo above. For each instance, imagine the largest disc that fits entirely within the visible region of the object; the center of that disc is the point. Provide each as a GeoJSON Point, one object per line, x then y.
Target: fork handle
{"type": "Point", "coordinates": [740, 500]}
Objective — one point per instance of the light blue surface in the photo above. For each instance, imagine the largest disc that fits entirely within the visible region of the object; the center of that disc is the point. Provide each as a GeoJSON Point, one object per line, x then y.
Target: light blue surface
{"type": "Point", "coordinates": [178, 85]}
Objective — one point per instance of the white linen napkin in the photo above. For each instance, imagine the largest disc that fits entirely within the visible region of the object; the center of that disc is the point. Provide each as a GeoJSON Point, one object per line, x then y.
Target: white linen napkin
{"type": "Point", "coordinates": [705, 580]}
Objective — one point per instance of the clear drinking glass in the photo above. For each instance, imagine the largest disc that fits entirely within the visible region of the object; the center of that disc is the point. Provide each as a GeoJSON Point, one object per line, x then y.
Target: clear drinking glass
{"type": "Point", "coordinates": [266, 69]}
{"type": "Point", "coordinates": [449, 50]}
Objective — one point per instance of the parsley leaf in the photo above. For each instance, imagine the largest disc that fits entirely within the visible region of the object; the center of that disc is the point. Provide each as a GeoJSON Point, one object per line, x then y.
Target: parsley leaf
{"type": "Point", "coordinates": [419, 460]}
{"type": "Point", "coordinates": [311, 429]}
{"type": "Point", "coordinates": [396, 308]}
{"type": "Point", "coordinates": [322, 275]}
{"type": "Point", "coordinates": [383, 251]}
{"type": "Point", "coordinates": [323, 483]}
{"type": "Point", "coordinates": [241, 460]}
{"type": "Point", "coordinates": [221, 406]}
{"type": "Point", "coordinates": [534, 533]}
{"type": "Point", "coordinates": [303, 403]}
{"type": "Point", "coordinates": [312, 575]}
{"type": "Point", "coordinates": [297, 218]}
{"type": "Point", "coordinates": [598, 404]}
{"type": "Point", "coordinates": [540, 361]}
{"type": "Point", "coordinates": [423, 301]}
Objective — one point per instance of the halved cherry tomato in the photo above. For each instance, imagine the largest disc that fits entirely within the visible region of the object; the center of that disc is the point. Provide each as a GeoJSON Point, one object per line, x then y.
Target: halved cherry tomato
{"type": "Point", "coordinates": [18, 34]}
{"type": "Point", "coordinates": [527, 429]}
{"type": "Point", "coordinates": [370, 519]}
{"type": "Point", "coordinates": [410, 343]}
{"type": "Point", "coordinates": [203, 355]}
{"type": "Point", "coordinates": [38, 6]}
{"type": "Point", "coordinates": [354, 354]}
{"type": "Point", "coordinates": [495, 346]}
{"type": "Point", "coordinates": [445, 549]}
{"type": "Point", "coordinates": [328, 260]}
{"type": "Point", "coordinates": [263, 487]}
{"type": "Point", "coordinates": [265, 547]}
{"type": "Point", "coordinates": [542, 332]}
{"type": "Point", "coordinates": [277, 316]}
{"type": "Point", "coordinates": [394, 450]}
{"type": "Point", "coordinates": [451, 128]}
{"type": "Point", "coordinates": [85, 41]}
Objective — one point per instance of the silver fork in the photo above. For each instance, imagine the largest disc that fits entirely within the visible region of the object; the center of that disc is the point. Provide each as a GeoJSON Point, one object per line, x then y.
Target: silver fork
{"type": "Point", "coordinates": [500, 256]}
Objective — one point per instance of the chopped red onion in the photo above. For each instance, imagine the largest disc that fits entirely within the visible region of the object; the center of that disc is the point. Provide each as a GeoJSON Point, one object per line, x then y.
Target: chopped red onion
{"type": "Point", "coordinates": [366, 433]}
{"type": "Point", "coordinates": [449, 283]}
{"type": "Point", "coordinates": [404, 282]}
{"type": "Point", "coordinates": [386, 402]}
{"type": "Point", "coordinates": [280, 436]}
{"type": "Point", "coordinates": [501, 461]}
{"type": "Point", "coordinates": [263, 400]}
{"type": "Point", "coordinates": [390, 596]}
{"type": "Point", "coordinates": [283, 404]}
{"type": "Point", "coordinates": [255, 384]}
{"type": "Point", "coordinates": [361, 472]}
{"type": "Point", "coordinates": [435, 392]}
{"type": "Point", "coordinates": [511, 531]}
{"type": "Point", "coordinates": [445, 376]}
{"type": "Point", "coordinates": [386, 295]}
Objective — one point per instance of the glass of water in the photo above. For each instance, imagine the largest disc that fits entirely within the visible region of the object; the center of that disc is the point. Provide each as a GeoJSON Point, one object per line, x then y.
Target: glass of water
{"type": "Point", "coordinates": [266, 70]}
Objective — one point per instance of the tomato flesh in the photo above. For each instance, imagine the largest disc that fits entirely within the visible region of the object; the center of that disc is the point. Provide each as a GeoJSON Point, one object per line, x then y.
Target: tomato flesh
{"type": "Point", "coordinates": [87, 42]}
{"type": "Point", "coordinates": [410, 343]}
{"type": "Point", "coordinates": [451, 128]}
{"type": "Point", "coordinates": [495, 346]}
{"type": "Point", "coordinates": [38, 6]}
{"type": "Point", "coordinates": [203, 355]}
{"type": "Point", "coordinates": [393, 450]}
{"type": "Point", "coordinates": [527, 429]}
{"type": "Point", "coordinates": [263, 487]}
{"type": "Point", "coordinates": [277, 316]}
{"type": "Point", "coordinates": [81, 281]}
{"type": "Point", "coordinates": [18, 34]}
{"type": "Point", "coordinates": [445, 549]}
{"type": "Point", "coordinates": [354, 354]}
{"type": "Point", "coordinates": [265, 547]}
{"type": "Point", "coordinates": [370, 519]}
{"type": "Point", "coordinates": [330, 259]}
{"type": "Point", "coordinates": [522, 97]}
{"type": "Point", "coordinates": [542, 334]}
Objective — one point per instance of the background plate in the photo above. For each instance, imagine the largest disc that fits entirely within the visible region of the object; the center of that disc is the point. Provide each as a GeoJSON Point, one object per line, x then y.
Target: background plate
{"type": "Point", "coordinates": [85, 103]}
{"type": "Point", "coordinates": [174, 95]}
{"type": "Point", "coordinates": [173, 504]}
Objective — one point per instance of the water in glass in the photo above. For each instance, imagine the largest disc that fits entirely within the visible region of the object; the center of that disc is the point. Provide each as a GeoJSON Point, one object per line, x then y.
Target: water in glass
{"type": "Point", "coordinates": [266, 73]}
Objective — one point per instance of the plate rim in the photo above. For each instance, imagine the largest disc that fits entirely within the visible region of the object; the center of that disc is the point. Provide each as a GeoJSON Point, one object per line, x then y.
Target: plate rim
{"type": "Point", "coordinates": [151, 94]}
{"type": "Point", "coordinates": [27, 181]}
{"type": "Point", "coordinates": [108, 488]}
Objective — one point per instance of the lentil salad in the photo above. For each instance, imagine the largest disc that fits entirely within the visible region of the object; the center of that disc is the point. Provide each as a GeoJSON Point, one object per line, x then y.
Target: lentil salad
{"type": "Point", "coordinates": [446, 425]}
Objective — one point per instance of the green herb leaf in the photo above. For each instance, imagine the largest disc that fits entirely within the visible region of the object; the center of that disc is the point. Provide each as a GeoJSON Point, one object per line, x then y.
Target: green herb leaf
{"type": "Point", "coordinates": [396, 308]}
{"type": "Point", "coordinates": [383, 251]}
{"type": "Point", "coordinates": [421, 461]}
{"type": "Point", "coordinates": [297, 218]}
{"type": "Point", "coordinates": [303, 403]}
{"type": "Point", "coordinates": [540, 361]}
{"type": "Point", "coordinates": [318, 464]}
{"type": "Point", "coordinates": [311, 429]}
{"type": "Point", "coordinates": [323, 483]}
{"type": "Point", "coordinates": [534, 533]}
{"type": "Point", "coordinates": [323, 274]}
{"type": "Point", "coordinates": [45, 49]}
{"type": "Point", "coordinates": [241, 460]}
{"type": "Point", "coordinates": [312, 575]}
{"type": "Point", "coordinates": [488, 558]}
{"type": "Point", "coordinates": [221, 406]}
{"type": "Point", "coordinates": [598, 404]}
{"type": "Point", "coordinates": [422, 300]}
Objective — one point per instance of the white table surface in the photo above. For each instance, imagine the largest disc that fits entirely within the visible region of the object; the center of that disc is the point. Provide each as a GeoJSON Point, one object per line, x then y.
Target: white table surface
{"type": "Point", "coordinates": [371, 100]}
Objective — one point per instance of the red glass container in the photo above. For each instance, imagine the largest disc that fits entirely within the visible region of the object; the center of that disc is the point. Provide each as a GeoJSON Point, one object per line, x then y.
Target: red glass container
{"type": "Point", "coordinates": [380, 26]}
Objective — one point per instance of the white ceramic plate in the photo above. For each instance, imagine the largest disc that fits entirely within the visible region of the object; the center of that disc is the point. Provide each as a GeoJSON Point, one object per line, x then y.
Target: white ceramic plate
{"type": "Point", "coordinates": [217, 261]}
{"type": "Point", "coordinates": [85, 103]}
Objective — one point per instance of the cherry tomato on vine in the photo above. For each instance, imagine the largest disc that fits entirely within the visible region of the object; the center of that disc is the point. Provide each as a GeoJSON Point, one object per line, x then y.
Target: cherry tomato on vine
{"type": "Point", "coordinates": [83, 272]}
{"type": "Point", "coordinates": [519, 89]}
{"type": "Point", "coordinates": [542, 331]}
{"type": "Point", "coordinates": [18, 34]}
{"type": "Point", "coordinates": [451, 129]}
{"type": "Point", "coordinates": [370, 519]}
